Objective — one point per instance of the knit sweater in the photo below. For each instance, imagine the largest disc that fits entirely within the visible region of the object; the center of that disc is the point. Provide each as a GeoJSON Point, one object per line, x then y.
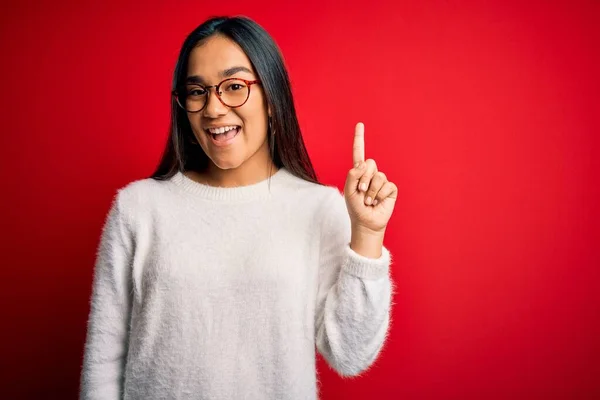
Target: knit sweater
{"type": "Point", "coordinates": [203, 292]}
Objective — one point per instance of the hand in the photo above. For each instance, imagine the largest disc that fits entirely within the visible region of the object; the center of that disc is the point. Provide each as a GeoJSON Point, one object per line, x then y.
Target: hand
{"type": "Point", "coordinates": [370, 197]}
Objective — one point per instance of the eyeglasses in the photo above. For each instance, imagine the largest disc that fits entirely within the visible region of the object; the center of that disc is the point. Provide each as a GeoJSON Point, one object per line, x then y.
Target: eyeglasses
{"type": "Point", "coordinates": [232, 92]}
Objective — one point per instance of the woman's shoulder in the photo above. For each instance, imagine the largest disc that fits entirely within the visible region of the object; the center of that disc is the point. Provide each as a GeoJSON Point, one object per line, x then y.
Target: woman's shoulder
{"type": "Point", "coordinates": [141, 194]}
{"type": "Point", "coordinates": [142, 188]}
{"type": "Point", "coordinates": [319, 198]}
{"type": "Point", "coordinates": [319, 191]}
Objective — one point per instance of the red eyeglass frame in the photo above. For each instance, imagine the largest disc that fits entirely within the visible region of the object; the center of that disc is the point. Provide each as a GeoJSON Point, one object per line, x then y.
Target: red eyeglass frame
{"type": "Point", "coordinates": [207, 88]}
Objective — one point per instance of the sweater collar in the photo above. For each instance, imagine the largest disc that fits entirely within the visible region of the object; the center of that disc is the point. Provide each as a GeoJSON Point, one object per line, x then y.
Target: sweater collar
{"type": "Point", "coordinates": [260, 190]}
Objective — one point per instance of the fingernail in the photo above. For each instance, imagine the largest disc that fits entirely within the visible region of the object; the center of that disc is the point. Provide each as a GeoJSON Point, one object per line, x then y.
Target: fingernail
{"type": "Point", "coordinates": [363, 187]}
{"type": "Point", "coordinates": [368, 200]}
{"type": "Point", "coordinates": [375, 202]}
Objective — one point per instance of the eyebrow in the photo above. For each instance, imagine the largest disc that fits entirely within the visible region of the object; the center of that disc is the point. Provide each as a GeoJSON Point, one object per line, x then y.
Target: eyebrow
{"type": "Point", "coordinates": [223, 74]}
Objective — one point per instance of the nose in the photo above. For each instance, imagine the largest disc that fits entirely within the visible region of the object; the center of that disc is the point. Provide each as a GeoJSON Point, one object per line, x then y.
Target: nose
{"type": "Point", "coordinates": [214, 108]}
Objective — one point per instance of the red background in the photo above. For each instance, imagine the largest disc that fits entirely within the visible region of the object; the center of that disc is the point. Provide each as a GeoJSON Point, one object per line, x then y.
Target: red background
{"type": "Point", "coordinates": [485, 114]}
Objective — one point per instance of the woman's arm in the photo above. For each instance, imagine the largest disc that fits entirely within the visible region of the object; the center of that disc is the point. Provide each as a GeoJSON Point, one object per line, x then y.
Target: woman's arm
{"type": "Point", "coordinates": [354, 295]}
{"type": "Point", "coordinates": [107, 331]}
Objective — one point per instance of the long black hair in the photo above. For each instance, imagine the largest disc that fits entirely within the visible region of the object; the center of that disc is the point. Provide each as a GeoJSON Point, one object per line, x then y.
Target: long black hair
{"type": "Point", "coordinates": [287, 149]}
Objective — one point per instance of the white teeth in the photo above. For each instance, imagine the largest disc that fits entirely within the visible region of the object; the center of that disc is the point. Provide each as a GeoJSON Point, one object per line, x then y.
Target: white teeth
{"type": "Point", "coordinates": [223, 129]}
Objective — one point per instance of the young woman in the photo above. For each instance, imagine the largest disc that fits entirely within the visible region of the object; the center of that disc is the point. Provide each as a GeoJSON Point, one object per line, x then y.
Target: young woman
{"type": "Point", "coordinates": [218, 276]}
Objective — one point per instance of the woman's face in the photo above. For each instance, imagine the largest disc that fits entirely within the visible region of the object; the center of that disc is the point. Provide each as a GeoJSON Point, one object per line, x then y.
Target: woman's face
{"type": "Point", "coordinates": [216, 59]}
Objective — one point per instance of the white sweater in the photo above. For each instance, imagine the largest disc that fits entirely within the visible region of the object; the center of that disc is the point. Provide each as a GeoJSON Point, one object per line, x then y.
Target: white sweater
{"type": "Point", "coordinates": [204, 292]}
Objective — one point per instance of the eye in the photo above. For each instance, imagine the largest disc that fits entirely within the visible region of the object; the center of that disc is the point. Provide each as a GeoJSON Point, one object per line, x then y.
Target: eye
{"type": "Point", "coordinates": [234, 86]}
{"type": "Point", "coordinates": [195, 91]}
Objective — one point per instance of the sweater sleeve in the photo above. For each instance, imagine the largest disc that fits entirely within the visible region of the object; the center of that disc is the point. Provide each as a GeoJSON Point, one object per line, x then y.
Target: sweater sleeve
{"type": "Point", "coordinates": [107, 330]}
{"type": "Point", "coordinates": [353, 298]}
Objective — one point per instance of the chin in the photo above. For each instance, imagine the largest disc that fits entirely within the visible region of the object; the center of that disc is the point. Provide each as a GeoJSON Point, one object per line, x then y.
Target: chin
{"type": "Point", "coordinates": [227, 163]}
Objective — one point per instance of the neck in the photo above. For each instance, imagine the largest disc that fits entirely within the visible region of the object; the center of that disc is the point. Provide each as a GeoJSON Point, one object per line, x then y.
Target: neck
{"type": "Point", "coordinates": [244, 175]}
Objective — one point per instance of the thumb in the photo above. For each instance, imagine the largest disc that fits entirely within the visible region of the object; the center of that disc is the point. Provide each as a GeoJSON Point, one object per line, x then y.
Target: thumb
{"type": "Point", "coordinates": [353, 177]}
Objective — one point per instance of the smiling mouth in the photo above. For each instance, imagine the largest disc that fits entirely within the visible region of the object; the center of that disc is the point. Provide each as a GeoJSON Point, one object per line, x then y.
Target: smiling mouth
{"type": "Point", "coordinates": [223, 134]}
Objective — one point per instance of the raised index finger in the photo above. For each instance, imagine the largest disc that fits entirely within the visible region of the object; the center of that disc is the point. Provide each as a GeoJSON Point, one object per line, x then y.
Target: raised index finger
{"type": "Point", "coordinates": [358, 149]}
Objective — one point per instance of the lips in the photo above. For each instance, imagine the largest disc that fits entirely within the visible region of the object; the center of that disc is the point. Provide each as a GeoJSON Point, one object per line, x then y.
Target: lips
{"type": "Point", "coordinates": [225, 138]}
